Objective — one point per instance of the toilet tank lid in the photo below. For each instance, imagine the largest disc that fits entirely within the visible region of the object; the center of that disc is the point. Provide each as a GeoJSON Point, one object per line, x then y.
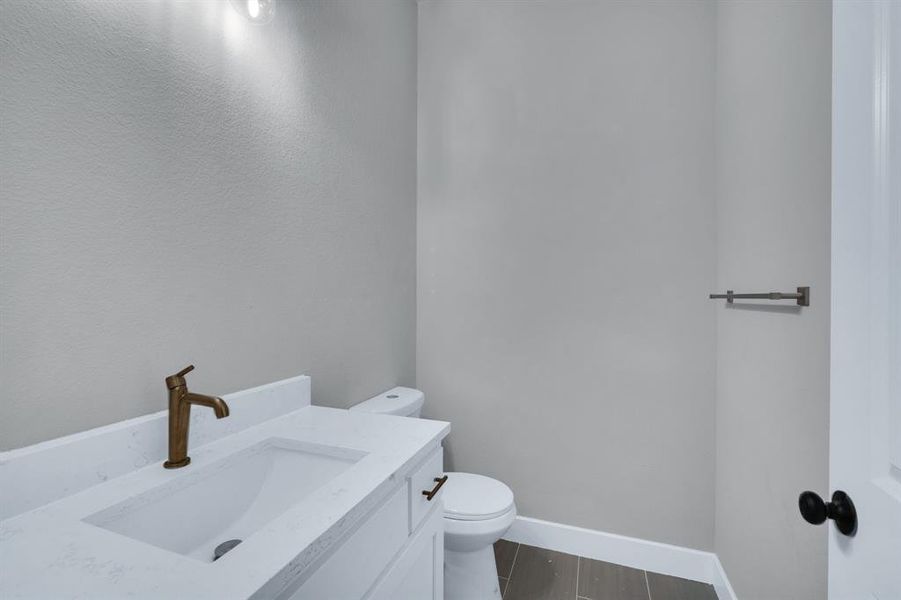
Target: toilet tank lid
{"type": "Point", "coordinates": [401, 401]}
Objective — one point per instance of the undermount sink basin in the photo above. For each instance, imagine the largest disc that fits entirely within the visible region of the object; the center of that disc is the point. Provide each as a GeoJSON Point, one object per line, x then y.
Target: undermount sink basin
{"type": "Point", "coordinates": [229, 499]}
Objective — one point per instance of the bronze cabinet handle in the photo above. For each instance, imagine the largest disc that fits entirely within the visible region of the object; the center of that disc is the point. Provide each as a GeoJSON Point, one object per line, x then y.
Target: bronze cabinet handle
{"type": "Point", "coordinates": [429, 494]}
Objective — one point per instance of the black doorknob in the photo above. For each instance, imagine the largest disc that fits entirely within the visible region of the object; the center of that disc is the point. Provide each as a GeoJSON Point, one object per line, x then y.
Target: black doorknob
{"type": "Point", "coordinates": [841, 510]}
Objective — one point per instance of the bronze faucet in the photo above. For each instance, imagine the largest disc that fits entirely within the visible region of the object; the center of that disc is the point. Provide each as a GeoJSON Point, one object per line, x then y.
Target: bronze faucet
{"type": "Point", "coordinates": [180, 401]}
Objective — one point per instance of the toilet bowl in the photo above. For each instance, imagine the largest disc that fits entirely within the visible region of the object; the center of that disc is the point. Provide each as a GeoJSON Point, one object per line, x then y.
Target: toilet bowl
{"type": "Point", "coordinates": [478, 510]}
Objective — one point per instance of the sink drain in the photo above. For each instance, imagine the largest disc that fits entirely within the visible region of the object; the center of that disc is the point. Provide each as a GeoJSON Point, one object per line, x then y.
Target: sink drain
{"type": "Point", "coordinates": [224, 547]}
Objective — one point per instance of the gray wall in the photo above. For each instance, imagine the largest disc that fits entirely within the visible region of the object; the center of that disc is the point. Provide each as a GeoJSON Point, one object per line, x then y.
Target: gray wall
{"type": "Point", "coordinates": [566, 244]}
{"type": "Point", "coordinates": [179, 185]}
{"type": "Point", "coordinates": [773, 151]}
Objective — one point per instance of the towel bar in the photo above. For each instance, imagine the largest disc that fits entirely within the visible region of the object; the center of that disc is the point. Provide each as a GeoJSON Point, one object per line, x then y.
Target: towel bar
{"type": "Point", "coordinates": [802, 296]}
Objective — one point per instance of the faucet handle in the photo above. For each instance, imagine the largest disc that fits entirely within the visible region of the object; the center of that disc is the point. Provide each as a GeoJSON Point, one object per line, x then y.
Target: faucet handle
{"type": "Point", "coordinates": [184, 371]}
{"type": "Point", "coordinates": [174, 381]}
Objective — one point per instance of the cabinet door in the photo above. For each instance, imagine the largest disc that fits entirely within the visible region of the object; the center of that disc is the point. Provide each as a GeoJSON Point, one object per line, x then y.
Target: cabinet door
{"type": "Point", "coordinates": [418, 573]}
{"type": "Point", "coordinates": [356, 564]}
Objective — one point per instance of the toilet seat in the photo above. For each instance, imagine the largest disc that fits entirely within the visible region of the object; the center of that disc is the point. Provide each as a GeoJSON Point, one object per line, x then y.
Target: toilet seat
{"type": "Point", "coordinates": [471, 497]}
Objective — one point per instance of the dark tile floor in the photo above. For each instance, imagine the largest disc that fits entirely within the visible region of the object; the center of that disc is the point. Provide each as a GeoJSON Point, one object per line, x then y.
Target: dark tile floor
{"type": "Point", "coordinates": [530, 573]}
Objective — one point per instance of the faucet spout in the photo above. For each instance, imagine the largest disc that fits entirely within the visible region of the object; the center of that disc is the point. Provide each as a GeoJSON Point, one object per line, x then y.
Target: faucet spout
{"type": "Point", "coordinates": [180, 401]}
{"type": "Point", "coordinates": [217, 404]}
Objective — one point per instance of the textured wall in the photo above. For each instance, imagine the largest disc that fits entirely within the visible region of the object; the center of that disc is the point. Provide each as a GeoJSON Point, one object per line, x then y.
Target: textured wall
{"type": "Point", "coordinates": [179, 185]}
{"type": "Point", "coordinates": [773, 156]}
{"type": "Point", "coordinates": [566, 247]}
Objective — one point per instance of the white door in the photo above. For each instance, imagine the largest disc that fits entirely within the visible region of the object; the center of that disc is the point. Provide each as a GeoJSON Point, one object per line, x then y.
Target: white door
{"type": "Point", "coordinates": [865, 415]}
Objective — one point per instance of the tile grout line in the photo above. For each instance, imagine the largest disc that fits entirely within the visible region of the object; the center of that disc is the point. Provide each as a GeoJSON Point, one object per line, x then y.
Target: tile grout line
{"type": "Point", "coordinates": [578, 569]}
{"type": "Point", "coordinates": [648, 584]}
{"type": "Point", "coordinates": [512, 564]}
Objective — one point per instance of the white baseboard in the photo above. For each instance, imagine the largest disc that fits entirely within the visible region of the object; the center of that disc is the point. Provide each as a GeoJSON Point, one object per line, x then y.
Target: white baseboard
{"type": "Point", "coordinates": [623, 550]}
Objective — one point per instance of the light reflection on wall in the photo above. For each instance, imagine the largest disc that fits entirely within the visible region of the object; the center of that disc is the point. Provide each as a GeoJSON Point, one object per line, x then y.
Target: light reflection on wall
{"type": "Point", "coordinates": [235, 28]}
{"type": "Point", "coordinates": [237, 56]}
{"type": "Point", "coordinates": [257, 11]}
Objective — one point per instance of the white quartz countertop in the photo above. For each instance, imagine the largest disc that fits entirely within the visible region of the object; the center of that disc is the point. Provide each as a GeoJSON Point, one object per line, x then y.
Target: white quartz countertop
{"type": "Point", "coordinates": [51, 552]}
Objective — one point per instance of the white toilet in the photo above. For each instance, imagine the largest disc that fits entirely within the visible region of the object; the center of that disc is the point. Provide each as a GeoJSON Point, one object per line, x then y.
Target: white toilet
{"type": "Point", "coordinates": [478, 510]}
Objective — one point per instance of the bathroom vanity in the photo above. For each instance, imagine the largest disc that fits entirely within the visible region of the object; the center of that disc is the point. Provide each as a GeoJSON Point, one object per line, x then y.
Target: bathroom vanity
{"type": "Point", "coordinates": [326, 503]}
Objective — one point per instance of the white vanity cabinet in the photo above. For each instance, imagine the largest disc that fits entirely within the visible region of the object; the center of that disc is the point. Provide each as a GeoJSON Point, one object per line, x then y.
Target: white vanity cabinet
{"type": "Point", "coordinates": [397, 551]}
{"type": "Point", "coordinates": [328, 502]}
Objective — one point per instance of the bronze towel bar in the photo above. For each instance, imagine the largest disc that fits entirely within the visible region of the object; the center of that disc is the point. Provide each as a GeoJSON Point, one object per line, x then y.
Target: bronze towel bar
{"type": "Point", "coordinates": [802, 296]}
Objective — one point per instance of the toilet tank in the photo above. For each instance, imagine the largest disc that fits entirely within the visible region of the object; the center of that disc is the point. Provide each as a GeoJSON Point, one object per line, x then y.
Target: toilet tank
{"type": "Point", "coordinates": [400, 401]}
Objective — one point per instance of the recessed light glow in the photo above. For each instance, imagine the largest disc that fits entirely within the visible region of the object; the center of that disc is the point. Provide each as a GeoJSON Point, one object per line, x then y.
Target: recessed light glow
{"type": "Point", "coordinates": [255, 11]}
{"type": "Point", "coordinates": [253, 8]}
